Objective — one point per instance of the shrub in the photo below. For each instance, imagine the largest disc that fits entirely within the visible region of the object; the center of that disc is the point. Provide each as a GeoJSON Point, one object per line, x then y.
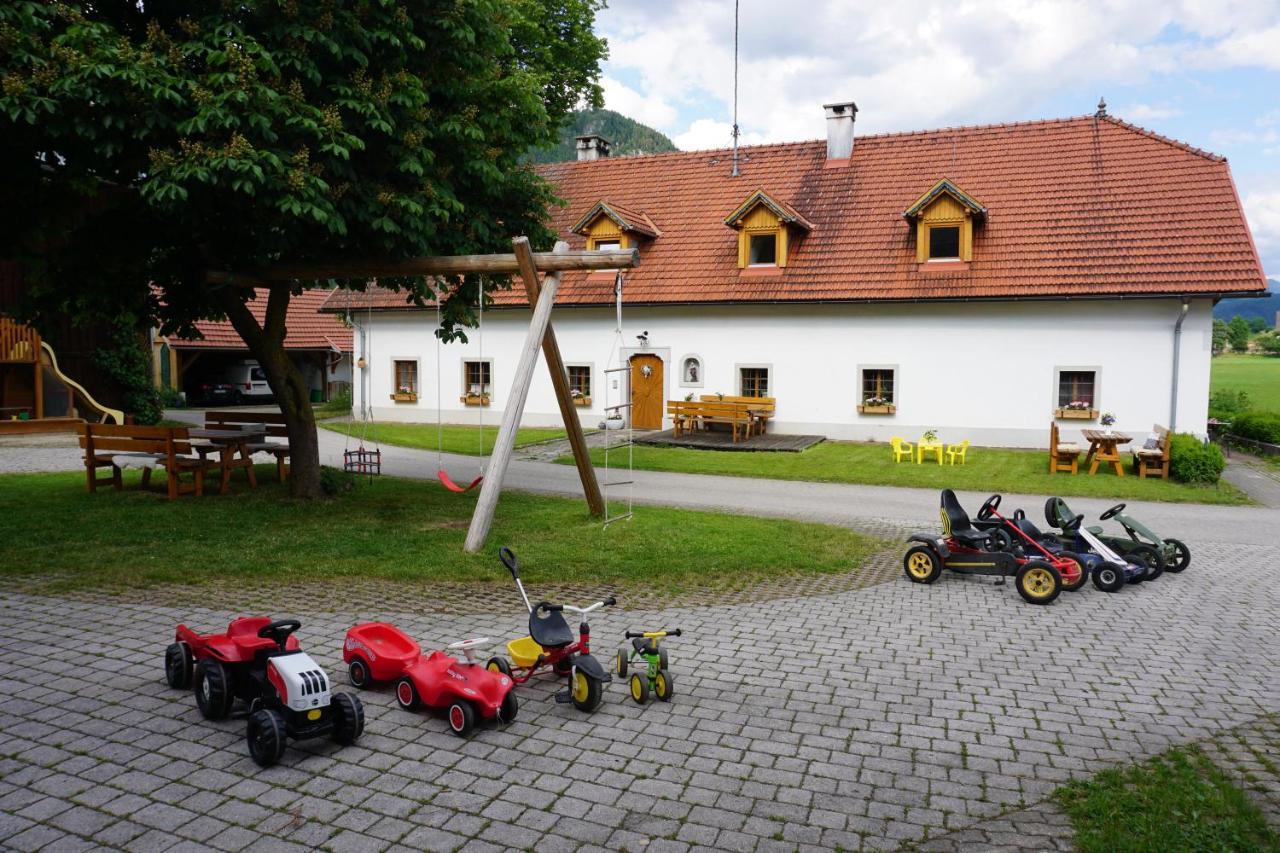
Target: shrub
{"type": "Point", "coordinates": [334, 481]}
{"type": "Point", "coordinates": [1259, 426]}
{"type": "Point", "coordinates": [1194, 461]}
{"type": "Point", "coordinates": [1225, 404]}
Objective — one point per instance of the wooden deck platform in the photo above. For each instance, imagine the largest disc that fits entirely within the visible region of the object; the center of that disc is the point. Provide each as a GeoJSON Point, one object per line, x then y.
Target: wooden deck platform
{"type": "Point", "coordinates": [718, 440]}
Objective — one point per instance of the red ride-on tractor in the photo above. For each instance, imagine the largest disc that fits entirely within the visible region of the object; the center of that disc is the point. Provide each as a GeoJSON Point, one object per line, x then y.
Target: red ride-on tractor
{"type": "Point", "coordinates": [258, 661]}
{"type": "Point", "coordinates": [551, 644]}
{"type": "Point", "coordinates": [965, 550]}
{"type": "Point", "coordinates": [376, 651]}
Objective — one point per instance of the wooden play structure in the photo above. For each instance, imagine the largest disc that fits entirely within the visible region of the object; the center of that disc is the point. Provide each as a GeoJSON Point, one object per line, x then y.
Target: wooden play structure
{"type": "Point", "coordinates": [35, 395]}
{"type": "Point", "coordinates": [540, 273]}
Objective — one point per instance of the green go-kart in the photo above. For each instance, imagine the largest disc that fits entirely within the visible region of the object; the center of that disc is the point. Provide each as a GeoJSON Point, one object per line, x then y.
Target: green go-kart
{"type": "Point", "coordinates": [654, 675]}
{"type": "Point", "coordinates": [1158, 553]}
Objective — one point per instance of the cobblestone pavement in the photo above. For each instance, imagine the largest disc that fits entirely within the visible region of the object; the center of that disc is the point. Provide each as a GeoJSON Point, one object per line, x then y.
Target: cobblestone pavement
{"type": "Point", "coordinates": [861, 720]}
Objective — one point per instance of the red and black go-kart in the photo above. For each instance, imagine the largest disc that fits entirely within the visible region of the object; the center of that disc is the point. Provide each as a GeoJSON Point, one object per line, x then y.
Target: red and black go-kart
{"type": "Point", "coordinates": [258, 661]}
{"type": "Point", "coordinates": [964, 549]}
{"type": "Point", "coordinates": [377, 651]}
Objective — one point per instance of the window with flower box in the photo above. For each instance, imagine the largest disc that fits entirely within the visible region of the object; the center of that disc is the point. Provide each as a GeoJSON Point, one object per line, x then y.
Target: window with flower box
{"type": "Point", "coordinates": [406, 377]}
{"type": "Point", "coordinates": [579, 383]}
{"type": "Point", "coordinates": [1077, 393]}
{"type": "Point", "coordinates": [879, 390]}
{"type": "Point", "coordinates": [477, 382]}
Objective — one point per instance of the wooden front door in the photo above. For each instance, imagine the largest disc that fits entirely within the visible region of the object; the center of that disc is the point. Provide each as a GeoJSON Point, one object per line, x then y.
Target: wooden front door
{"type": "Point", "coordinates": [646, 392]}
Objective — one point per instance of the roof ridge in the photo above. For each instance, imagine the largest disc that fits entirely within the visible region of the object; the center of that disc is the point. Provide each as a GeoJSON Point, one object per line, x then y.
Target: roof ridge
{"type": "Point", "coordinates": [1168, 140]}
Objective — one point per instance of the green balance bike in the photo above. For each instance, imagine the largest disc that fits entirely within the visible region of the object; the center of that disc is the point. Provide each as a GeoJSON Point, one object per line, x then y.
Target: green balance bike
{"type": "Point", "coordinates": [654, 675]}
{"type": "Point", "coordinates": [1140, 542]}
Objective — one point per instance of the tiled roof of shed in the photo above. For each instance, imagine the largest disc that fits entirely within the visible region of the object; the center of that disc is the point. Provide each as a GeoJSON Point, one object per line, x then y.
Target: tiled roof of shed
{"type": "Point", "coordinates": [1086, 206]}
{"type": "Point", "coordinates": [308, 329]}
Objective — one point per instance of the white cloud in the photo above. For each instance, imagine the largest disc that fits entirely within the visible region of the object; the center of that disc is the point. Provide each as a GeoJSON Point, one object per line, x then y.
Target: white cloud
{"type": "Point", "coordinates": [1262, 207]}
{"type": "Point", "coordinates": [912, 65]}
{"type": "Point", "coordinates": [651, 109]}
{"type": "Point", "coordinates": [1139, 113]}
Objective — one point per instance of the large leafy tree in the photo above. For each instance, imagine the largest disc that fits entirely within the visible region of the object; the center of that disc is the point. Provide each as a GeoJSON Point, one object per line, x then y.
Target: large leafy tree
{"type": "Point", "coordinates": [153, 143]}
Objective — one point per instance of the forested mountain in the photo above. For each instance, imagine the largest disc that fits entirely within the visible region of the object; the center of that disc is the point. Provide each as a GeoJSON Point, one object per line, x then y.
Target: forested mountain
{"type": "Point", "coordinates": [1246, 308]}
{"type": "Point", "coordinates": [626, 136]}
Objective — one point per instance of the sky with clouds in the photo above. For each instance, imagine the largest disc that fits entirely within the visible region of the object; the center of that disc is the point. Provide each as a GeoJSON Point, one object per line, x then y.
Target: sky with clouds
{"type": "Point", "coordinates": [1206, 72]}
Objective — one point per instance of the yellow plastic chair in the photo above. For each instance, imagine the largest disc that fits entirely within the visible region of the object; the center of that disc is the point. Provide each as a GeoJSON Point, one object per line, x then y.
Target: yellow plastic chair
{"type": "Point", "coordinates": [902, 449]}
{"type": "Point", "coordinates": [957, 451]}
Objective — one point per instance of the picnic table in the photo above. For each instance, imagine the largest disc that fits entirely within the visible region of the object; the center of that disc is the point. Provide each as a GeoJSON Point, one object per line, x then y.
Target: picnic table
{"type": "Point", "coordinates": [1104, 447]}
{"type": "Point", "coordinates": [232, 446]}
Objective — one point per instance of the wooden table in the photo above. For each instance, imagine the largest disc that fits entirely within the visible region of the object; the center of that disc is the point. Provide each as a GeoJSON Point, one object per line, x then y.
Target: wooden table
{"type": "Point", "coordinates": [232, 445]}
{"type": "Point", "coordinates": [1104, 448]}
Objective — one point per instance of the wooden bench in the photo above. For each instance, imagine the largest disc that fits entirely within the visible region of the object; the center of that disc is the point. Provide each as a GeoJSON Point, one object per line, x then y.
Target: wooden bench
{"type": "Point", "coordinates": [1063, 456]}
{"type": "Point", "coordinates": [688, 415]}
{"type": "Point", "coordinates": [275, 426]}
{"type": "Point", "coordinates": [761, 409]}
{"type": "Point", "coordinates": [106, 445]}
{"type": "Point", "coordinates": [1154, 461]}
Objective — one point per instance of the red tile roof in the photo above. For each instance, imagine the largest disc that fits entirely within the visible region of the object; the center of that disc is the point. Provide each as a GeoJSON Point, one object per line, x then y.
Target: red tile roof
{"type": "Point", "coordinates": [1086, 206]}
{"type": "Point", "coordinates": [307, 328]}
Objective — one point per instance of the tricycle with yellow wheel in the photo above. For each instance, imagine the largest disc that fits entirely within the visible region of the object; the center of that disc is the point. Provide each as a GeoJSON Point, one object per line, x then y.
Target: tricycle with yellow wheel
{"type": "Point", "coordinates": [551, 644]}
{"type": "Point", "coordinates": [655, 676]}
{"type": "Point", "coordinates": [964, 549]}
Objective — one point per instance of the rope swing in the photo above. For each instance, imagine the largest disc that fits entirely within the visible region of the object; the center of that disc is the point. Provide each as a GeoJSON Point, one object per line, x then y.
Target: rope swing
{"type": "Point", "coordinates": [441, 474]}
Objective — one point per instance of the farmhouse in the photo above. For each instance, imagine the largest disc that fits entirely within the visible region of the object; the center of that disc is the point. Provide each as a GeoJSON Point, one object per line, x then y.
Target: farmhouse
{"type": "Point", "coordinates": [978, 280]}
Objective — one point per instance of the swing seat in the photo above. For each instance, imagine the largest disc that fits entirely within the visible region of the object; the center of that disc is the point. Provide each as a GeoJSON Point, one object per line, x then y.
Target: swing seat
{"type": "Point", "coordinates": [448, 483]}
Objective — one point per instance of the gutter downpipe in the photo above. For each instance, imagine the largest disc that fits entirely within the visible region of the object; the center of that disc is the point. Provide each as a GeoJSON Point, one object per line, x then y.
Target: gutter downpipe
{"type": "Point", "coordinates": [1177, 358]}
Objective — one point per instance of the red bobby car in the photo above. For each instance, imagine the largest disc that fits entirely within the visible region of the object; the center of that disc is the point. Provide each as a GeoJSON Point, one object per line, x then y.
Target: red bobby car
{"type": "Point", "coordinates": [376, 651]}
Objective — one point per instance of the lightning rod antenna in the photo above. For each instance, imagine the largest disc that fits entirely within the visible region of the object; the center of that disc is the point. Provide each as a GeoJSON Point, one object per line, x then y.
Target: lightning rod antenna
{"type": "Point", "coordinates": [735, 88]}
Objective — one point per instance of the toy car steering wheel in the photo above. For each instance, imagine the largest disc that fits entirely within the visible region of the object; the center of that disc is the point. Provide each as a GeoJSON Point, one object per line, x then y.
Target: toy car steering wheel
{"type": "Point", "coordinates": [1111, 513]}
{"type": "Point", "coordinates": [989, 507]}
{"type": "Point", "coordinates": [1074, 524]}
{"type": "Point", "coordinates": [472, 643]}
{"type": "Point", "coordinates": [279, 631]}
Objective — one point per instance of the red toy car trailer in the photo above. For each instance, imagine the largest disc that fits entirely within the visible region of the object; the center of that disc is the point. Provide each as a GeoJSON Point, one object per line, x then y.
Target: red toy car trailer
{"type": "Point", "coordinates": [258, 661]}
{"type": "Point", "coordinates": [376, 651]}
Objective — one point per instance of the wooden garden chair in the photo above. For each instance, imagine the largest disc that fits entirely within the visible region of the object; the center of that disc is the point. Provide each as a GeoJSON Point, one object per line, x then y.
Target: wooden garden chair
{"type": "Point", "coordinates": [1063, 455]}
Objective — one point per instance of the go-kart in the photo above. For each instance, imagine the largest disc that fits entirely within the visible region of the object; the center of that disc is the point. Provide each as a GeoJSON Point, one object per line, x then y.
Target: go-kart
{"type": "Point", "coordinates": [964, 549]}
{"type": "Point", "coordinates": [1167, 554]}
{"type": "Point", "coordinates": [647, 646]}
{"type": "Point", "coordinates": [258, 661]}
{"type": "Point", "coordinates": [1023, 539]}
{"type": "Point", "coordinates": [377, 651]}
{"type": "Point", "coordinates": [551, 644]}
{"type": "Point", "coordinates": [1141, 563]}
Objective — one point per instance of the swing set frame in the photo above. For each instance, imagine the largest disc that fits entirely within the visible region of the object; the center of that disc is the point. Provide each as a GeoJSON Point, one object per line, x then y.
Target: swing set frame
{"type": "Point", "coordinates": [540, 272]}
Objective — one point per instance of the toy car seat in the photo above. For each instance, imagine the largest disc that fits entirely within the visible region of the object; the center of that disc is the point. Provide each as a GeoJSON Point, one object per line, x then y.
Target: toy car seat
{"type": "Point", "coordinates": [550, 630]}
{"type": "Point", "coordinates": [957, 523]}
{"type": "Point", "coordinates": [645, 645]}
{"type": "Point", "coordinates": [1058, 514]}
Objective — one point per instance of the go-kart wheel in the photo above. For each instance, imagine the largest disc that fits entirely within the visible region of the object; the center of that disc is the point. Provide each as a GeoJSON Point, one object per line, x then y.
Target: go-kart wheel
{"type": "Point", "coordinates": [509, 708]}
{"type": "Point", "coordinates": [639, 687]}
{"type": "Point", "coordinates": [213, 690]}
{"type": "Point", "coordinates": [1180, 558]}
{"type": "Point", "coordinates": [585, 691]}
{"type": "Point", "coordinates": [348, 718]}
{"type": "Point", "coordinates": [1135, 577]}
{"type": "Point", "coordinates": [1038, 582]}
{"type": "Point", "coordinates": [1108, 577]}
{"type": "Point", "coordinates": [178, 665]}
{"type": "Point", "coordinates": [462, 718]}
{"type": "Point", "coordinates": [922, 564]}
{"type": "Point", "coordinates": [266, 736]}
{"type": "Point", "coordinates": [662, 657]}
{"type": "Point", "coordinates": [998, 540]}
{"type": "Point", "coordinates": [620, 662]}
{"type": "Point", "coordinates": [358, 672]}
{"type": "Point", "coordinates": [498, 663]}
{"type": "Point", "coordinates": [406, 694]}
{"type": "Point", "coordinates": [1148, 556]}
{"type": "Point", "coordinates": [1075, 576]}
{"type": "Point", "coordinates": [663, 685]}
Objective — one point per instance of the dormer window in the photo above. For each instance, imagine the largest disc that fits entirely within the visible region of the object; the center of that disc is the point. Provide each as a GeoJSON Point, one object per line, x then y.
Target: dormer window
{"type": "Point", "coordinates": [608, 226]}
{"type": "Point", "coordinates": [766, 227]}
{"type": "Point", "coordinates": [944, 218]}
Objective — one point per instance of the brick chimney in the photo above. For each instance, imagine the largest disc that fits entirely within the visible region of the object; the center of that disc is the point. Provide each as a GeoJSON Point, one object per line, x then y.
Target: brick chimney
{"type": "Point", "coordinates": [840, 129]}
{"type": "Point", "coordinates": [592, 147]}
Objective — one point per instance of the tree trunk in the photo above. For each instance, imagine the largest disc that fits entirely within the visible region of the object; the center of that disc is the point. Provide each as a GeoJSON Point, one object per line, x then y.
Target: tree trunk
{"type": "Point", "coordinates": [266, 342]}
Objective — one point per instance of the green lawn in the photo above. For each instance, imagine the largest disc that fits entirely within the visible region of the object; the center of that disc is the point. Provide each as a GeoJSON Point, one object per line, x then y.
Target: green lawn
{"type": "Point", "coordinates": [987, 470]}
{"type": "Point", "coordinates": [1257, 375]}
{"type": "Point", "coordinates": [392, 529]}
{"type": "Point", "coordinates": [456, 438]}
{"type": "Point", "coordinates": [1176, 801]}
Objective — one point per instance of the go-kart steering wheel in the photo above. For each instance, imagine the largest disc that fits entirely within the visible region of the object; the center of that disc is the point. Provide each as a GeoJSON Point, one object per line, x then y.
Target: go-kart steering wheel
{"type": "Point", "coordinates": [1111, 513]}
{"type": "Point", "coordinates": [279, 631]}
{"type": "Point", "coordinates": [1074, 524]}
{"type": "Point", "coordinates": [989, 507]}
{"type": "Point", "coordinates": [472, 643]}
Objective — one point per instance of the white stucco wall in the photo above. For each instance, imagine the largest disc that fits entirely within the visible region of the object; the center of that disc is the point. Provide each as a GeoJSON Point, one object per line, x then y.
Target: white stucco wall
{"type": "Point", "coordinates": [982, 371]}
